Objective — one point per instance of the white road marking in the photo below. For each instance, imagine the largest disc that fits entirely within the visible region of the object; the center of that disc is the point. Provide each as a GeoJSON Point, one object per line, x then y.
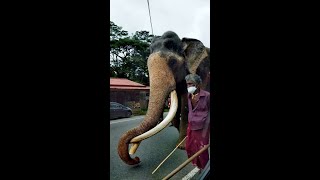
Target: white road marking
{"type": "Point", "coordinates": [125, 120]}
{"type": "Point", "coordinates": [133, 118]}
{"type": "Point", "coordinates": [191, 174]}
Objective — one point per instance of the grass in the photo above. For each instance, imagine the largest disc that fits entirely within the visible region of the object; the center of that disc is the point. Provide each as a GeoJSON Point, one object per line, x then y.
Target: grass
{"type": "Point", "coordinates": [140, 112]}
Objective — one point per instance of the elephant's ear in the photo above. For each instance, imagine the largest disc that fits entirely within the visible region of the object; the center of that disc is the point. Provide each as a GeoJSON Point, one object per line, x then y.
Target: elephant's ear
{"type": "Point", "coordinates": [195, 52]}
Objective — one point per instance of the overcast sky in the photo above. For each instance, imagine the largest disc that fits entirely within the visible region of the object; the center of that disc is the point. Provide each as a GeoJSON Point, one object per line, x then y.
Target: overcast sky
{"type": "Point", "coordinates": [188, 18]}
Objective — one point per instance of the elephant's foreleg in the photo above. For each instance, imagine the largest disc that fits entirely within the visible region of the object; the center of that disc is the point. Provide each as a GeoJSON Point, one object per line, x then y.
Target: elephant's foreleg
{"type": "Point", "coordinates": [161, 117]}
{"type": "Point", "coordinates": [183, 120]}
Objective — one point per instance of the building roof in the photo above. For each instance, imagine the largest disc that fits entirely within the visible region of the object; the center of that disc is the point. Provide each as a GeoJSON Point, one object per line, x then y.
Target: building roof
{"type": "Point", "coordinates": [123, 83]}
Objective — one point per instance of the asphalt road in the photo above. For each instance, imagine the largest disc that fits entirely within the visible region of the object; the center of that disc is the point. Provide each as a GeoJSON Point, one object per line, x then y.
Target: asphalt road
{"type": "Point", "coordinates": [151, 152]}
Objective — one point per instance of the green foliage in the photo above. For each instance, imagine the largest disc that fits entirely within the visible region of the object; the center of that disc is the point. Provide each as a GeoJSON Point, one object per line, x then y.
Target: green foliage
{"type": "Point", "coordinates": [116, 32]}
{"type": "Point", "coordinates": [128, 54]}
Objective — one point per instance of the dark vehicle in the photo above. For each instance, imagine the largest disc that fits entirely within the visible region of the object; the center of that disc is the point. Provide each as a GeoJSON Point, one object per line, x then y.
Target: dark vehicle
{"type": "Point", "coordinates": [119, 111]}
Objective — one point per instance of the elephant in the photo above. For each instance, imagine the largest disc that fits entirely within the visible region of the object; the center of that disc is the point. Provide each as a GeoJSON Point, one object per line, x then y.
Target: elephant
{"type": "Point", "coordinates": [170, 60]}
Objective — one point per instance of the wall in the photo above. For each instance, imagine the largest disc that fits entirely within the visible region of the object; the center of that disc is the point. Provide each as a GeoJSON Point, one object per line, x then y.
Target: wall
{"type": "Point", "coordinates": [131, 98]}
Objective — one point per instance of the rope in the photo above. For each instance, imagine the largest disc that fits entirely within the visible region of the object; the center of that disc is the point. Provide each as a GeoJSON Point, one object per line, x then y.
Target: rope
{"type": "Point", "coordinates": [150, 17]}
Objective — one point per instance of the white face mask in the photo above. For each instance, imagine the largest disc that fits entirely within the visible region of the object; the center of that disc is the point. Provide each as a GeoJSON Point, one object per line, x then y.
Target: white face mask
{"type": "Point", "coordinates": [192, 89]}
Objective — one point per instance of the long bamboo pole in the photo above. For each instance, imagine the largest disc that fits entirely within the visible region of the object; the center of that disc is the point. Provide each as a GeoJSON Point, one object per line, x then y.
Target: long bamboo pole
{"type": "Point", "coordinates": [186, 162]}
{"type": "Point", "coordinates": [169, 155]}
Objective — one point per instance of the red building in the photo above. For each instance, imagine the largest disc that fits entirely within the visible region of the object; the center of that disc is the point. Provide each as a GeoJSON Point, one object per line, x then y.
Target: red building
{"type": "Point", "coordinates": [129, 93]}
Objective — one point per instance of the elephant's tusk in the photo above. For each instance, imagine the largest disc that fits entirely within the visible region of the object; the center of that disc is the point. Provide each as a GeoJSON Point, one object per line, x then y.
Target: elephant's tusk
{"type": "Point", "coordinates": [134, 147]}
{"type": "Point", "coordinates": [160, 126]}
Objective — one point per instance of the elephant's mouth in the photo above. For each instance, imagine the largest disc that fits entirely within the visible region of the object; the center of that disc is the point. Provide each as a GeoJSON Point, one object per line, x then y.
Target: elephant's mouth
{"type": "Point", "coordinates": [172, 111]}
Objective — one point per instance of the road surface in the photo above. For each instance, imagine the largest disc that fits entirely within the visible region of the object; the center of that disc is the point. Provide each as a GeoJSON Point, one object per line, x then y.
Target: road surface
{"type": "Point", "coordinates": [151, 152]}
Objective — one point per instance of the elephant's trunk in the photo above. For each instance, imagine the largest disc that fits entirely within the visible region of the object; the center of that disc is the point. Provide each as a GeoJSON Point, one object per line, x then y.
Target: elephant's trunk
{"type": "Point", "coordinates": [161, 84]}
{"type": "Point", "coordinates": [159, 127]}
{"type": "Point", "coordinates": [123, 147]}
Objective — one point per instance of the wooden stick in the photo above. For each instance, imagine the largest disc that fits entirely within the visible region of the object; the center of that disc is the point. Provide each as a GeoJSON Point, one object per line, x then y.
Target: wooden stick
{"type": "Point", "coordinates": [169, 155]}
{"type": "Point", "coordinates": [186, 162]}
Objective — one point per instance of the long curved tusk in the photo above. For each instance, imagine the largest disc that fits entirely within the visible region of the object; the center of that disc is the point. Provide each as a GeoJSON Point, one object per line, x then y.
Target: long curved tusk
{"type": "Point", "coordinates": [160, 126]}
{"type": "Point", "coordinates": [134, 148]}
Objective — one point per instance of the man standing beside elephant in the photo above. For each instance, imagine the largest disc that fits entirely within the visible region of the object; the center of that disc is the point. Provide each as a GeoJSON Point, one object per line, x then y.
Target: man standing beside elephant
{"type": "Point", "coordinates": [198, 131]}
{"type": "Point", "coordinates": [170, 60]}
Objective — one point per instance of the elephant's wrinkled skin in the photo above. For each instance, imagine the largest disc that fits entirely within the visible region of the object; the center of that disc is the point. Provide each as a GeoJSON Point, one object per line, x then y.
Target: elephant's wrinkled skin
{"type": "Point", "coordinates": [171, 59]}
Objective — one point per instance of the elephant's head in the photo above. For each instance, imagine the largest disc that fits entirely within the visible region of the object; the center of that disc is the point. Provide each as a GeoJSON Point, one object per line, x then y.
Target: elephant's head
{"type": "Point", "coordinates": [170, 60]}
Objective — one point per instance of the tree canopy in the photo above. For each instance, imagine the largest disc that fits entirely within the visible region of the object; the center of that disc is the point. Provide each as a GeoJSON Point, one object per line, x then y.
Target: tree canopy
{"type": "Point", "coordinates": [128, 54]}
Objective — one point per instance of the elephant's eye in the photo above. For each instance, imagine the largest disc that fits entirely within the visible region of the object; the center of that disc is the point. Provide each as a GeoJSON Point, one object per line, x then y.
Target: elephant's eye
{"type": "Point", "coordinates": [172, 62]}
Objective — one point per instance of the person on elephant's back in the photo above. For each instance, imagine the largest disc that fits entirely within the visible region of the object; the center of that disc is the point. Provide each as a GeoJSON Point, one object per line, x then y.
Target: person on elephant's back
{"type": "Point", "coordinates": [198, 130]}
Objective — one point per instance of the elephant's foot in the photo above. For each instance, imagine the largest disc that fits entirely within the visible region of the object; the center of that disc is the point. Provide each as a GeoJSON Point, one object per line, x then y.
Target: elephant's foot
{"type": "Point", "coordinates": [182, 145]}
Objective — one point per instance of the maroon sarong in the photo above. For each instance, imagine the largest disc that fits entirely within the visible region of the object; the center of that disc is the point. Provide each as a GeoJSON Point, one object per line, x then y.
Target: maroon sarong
{"type": "Point", "coordinates": [194, 142]}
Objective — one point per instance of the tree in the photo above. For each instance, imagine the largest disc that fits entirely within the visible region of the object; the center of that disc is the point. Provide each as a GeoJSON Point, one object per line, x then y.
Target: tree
{"type": "Point", "coordinates": [128, 54]}
{"type": "Point", "coordinates": [116, 32]}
